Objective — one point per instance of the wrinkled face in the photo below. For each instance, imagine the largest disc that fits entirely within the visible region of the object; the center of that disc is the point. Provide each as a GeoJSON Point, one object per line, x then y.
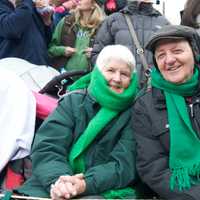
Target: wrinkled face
{"type": "Point", "coordinates": [175, 60]}
{"type": "Point", "coordinates": [85, 5]}
{"type": "Point", "coordinates": [118, 75]}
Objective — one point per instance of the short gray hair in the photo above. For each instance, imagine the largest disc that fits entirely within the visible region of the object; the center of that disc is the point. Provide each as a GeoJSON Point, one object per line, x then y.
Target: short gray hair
{"type": "Point", "coordinates": [116, 52]}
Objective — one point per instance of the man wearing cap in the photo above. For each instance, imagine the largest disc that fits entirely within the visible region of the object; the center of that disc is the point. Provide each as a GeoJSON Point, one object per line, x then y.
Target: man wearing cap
{"type": "Point", "coordinates": [114, 30]}
{"type": "Point", "coordinates": [166, 120]}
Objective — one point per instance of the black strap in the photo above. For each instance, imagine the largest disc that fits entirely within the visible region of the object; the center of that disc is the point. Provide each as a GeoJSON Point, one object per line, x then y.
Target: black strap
{"type": "Point", "coordinates": [139, 50]}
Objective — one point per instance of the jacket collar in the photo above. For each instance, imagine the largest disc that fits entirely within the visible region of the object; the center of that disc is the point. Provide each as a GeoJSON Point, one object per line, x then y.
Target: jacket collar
{"type": "Point", "coordinates": [92, 100]}
{"type": "Point", "coordinates": [159, 97]}
{"type": "Point", "coordinates": [141, 8]}
{"type": "Point", "coordinates": [8, 3]}
{"type": "Point", "coordinates": [70, 22]}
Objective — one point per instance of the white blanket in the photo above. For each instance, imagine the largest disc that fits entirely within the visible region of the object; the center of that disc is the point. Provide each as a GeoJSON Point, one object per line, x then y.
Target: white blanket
{"type": "Point", "coordinates": [17, 117]}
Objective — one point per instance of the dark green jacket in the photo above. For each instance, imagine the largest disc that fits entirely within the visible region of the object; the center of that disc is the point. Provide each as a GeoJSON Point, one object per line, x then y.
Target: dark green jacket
{"type": "Point", "coordinates": [110, 159]}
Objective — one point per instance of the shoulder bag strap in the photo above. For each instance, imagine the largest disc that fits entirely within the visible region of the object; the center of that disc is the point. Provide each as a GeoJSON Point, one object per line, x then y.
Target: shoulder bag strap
{"type": "Point", "coordinates": [139, 49]}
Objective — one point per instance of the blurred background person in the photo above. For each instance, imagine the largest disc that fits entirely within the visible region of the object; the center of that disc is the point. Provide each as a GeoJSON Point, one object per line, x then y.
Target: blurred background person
{"type": "Point", "coordinates": [24, 32]}
{"type": "Point", "coordinates": [43, 7]}
{"type": "Point", "coordinates": [191, 17]}
{"type": "Point", "coordinates": [72, 41]}
{"type": "Point", "coordinates": [191, 14]}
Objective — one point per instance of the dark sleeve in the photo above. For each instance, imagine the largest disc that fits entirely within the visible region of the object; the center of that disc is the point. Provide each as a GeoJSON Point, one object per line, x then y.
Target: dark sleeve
{"type": "Point", "coordinates": [48, 33]}
{"type": "Point", "coordinates": [13, 23]}
{"type": "Point", "coordinates": [102, 39]}
{"type": "Point", "coordinates": [152, 160]}
{"type": "Point", "coordinates": [118, 171]}
{"type": "Point", "coordinates": [52, 144]}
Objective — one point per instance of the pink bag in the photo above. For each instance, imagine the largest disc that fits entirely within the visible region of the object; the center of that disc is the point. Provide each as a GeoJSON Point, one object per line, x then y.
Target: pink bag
{"type": "Point", "coordinates": [44, 104]}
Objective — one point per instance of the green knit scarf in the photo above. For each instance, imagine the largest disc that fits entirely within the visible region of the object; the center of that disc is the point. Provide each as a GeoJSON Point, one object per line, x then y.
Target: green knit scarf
{"type": "Point", "coordinates": [184, 157]}
{"type": "Point", "coordinates": [111, 104]}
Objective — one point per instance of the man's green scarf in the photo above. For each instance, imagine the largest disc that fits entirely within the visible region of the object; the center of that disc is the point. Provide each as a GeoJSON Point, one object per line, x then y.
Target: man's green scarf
{"type": "Point", "coordinates": [111, 104]}
{"type": "Point", "coordinates": [184, 157]}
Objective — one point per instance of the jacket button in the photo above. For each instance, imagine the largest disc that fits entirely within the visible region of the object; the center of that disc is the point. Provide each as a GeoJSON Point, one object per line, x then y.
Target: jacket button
{"type": "Point", "coordinates": [167, 126]}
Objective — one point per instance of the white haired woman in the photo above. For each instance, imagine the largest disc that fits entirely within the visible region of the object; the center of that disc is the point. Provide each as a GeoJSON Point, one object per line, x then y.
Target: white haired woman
{"type": "Point", "coordinates": [86, 147]}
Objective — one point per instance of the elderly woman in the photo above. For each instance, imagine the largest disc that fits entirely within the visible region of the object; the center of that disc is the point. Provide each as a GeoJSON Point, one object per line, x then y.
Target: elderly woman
{"type": "Point", "coordinates": [86, 147]}
{"type": "Point", "coordinates": [167, 118]}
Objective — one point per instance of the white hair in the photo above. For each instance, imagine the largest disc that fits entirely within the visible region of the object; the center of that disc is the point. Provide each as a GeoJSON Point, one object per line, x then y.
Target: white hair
{"type": "Point", "coordinates": [116, 52]}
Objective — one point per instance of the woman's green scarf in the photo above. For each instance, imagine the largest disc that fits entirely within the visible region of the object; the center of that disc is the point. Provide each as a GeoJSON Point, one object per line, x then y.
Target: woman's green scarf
{"type": "Point", "coordinates": [111, 104]}
{"type": "Point", "coordinates": [184, 157]}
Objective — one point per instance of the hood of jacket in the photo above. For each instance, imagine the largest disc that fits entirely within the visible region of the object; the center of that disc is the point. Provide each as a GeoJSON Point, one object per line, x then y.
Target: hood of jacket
{"type": "Point", "coordinates": [141, 8]}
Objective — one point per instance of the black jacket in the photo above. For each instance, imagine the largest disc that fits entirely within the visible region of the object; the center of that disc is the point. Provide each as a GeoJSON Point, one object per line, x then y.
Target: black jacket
{"type": "Point", "coordinates": [23, 33]}
{"type": "Point", "coordinates": [151, 129]}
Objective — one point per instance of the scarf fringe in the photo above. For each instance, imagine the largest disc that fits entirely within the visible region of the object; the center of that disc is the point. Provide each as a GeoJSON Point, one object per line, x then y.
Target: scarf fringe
{"type": "Point", "coordinates": [181, 177]}
{"type": "Point", "coordinates": [123, 193]}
